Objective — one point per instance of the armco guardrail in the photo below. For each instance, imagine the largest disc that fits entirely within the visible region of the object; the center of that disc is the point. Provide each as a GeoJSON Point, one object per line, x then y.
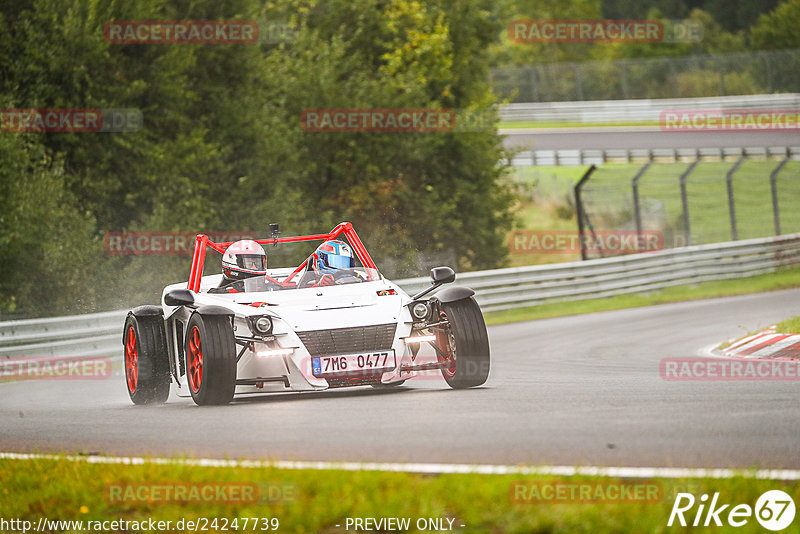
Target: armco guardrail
{"type": "Point", "coordinates": [75, 336]}
{"type": "Point", "coordinates": [502, 289]}
{"type": "Point", "coordinates": [100, 334]}
{"type": "Point", "coordinates": [643, 110]}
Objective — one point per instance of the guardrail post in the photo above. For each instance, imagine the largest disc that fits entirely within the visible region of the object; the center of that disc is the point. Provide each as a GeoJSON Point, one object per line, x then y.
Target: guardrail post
{"type": "Point", "coordinates": [773, 184]}
{"type": "Point", "coordinates": [636, 210]}
{"type": "Point", "coordinates": [685, 199]}
{"type": "Point", "coordinates": [731, 203]}
{"type": "Point", "coordinates": [579, 206]}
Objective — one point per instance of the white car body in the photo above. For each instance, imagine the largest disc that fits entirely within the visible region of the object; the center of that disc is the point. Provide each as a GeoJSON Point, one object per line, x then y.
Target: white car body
{"type": "Point", "coordinates": [364, 318]}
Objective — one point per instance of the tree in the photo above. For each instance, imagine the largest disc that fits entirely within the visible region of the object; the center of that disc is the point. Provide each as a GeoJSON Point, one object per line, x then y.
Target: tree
{"type": "Point", "coordinates": [778, 29]}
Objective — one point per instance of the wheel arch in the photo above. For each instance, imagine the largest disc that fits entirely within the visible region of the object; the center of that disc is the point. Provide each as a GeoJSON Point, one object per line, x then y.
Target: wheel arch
{"type": "Point", "coordinates": [453, 294]}
{"type": "Point", "coordinates": [211, 309]}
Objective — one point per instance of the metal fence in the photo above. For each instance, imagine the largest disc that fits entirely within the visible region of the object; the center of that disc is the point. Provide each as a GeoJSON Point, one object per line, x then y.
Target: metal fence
{"type": "Point", "coordinates": [664, 77]}
{"type": "Point", "coordinates": [77, 336]}
{"type": "Point", "coordinates": [100, 334]}
{"type": "Point", "coordinates": [705, 198]}
{"type": "Point", "coordinates": [578, 157]}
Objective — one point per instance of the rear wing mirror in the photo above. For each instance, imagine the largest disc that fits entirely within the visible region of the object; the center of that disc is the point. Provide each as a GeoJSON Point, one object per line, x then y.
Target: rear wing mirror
{"type": "Point", "coordinates": [179, 297]}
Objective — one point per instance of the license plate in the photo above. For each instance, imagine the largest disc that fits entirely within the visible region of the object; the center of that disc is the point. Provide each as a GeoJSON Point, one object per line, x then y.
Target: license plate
{"type": "Point", "coordinates": [353, 364]}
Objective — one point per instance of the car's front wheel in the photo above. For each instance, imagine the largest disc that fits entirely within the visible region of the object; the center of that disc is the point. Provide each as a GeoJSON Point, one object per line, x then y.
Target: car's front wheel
{"type": "Point", "coordinates": [210, 359]}
{"type": "Point", "coordinates": [146, 360]}
{"type": "Point", "coordinates": [464, 344]}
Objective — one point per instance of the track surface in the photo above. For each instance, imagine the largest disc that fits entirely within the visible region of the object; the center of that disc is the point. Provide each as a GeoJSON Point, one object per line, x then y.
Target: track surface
{"type": "Point", "coordinates": [641, 138]}
{"type": "Point", "coordinates": [581, 390]}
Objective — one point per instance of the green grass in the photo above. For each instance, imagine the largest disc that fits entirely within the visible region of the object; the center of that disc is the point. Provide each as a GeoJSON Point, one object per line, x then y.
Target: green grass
{"type": "Point", "coordinates": [608, 199]}
{"type": "Point", "coordinates": [789, 326]}
{"type": "Point", "coordinates": [783, 279]}
{"type": "Point", "coordinates": [319, 500]}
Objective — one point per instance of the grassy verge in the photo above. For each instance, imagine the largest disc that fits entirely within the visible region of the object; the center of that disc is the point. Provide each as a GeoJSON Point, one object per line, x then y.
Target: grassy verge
{"type": "Point", "coordinates": [789, 326]}
{"type": "Point", "coordinates": [608, 195]}
{"type": "Point", "coordinates": [783, 279]}
{"type": "Point", "coordinates": [318, 501]}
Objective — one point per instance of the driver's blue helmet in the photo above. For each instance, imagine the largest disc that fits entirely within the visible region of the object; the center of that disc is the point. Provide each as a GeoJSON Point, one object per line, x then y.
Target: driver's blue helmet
{"type": "Point", "coordinates": [332, 256]}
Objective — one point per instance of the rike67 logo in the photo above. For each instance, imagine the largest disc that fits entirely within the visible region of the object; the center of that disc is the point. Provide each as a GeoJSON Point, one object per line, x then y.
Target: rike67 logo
{"type": "Point", "coordinates": [774, 510]}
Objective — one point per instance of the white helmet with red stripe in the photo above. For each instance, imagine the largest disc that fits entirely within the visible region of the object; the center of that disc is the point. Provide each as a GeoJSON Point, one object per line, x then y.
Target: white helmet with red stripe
{"type": "Point", "coordinates": [244, 259]}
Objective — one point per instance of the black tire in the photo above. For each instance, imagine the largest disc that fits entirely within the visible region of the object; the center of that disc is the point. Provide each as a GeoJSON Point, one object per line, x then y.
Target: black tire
{"type": "Point", "coordinates": [146, 360]}
{"type": "Point", "coordinates": [210, 342]}
{"type": "Point", "coordinates": [466, 344]}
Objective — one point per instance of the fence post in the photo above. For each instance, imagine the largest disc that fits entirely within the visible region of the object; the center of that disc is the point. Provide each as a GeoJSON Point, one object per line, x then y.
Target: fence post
{"type": "Point", "coordinates": [731, 203]}
{"type": "Point", "coordinates": [578, 81]}
{"type": "Point", "coordinates": [636, 211]}
{"type": "Point", "coordinates": [685, 199]}
{"type": "Point", "coordinates": [773, 179]}
{"type": "Point", "coordinates": [533, 81]}
{"type": "Point", "coordinates": [579, 207]}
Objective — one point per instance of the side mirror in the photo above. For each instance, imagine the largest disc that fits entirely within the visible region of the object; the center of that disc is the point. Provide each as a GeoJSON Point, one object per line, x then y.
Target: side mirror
{"type": "Point", "coordinates": [443, 275]}
{"type": "Point", "coordinates": [439, 276]}
{"type": "Point", "coordinates": [179, 297]}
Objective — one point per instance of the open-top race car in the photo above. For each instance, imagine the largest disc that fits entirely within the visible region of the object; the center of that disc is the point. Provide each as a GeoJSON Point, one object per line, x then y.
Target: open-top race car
{"type": "Point", "coordinates": [326, 323]}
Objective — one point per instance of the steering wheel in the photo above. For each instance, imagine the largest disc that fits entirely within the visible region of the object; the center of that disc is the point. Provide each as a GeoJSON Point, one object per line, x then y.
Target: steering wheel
{"type": "Point", "coordinates": [347, 272]}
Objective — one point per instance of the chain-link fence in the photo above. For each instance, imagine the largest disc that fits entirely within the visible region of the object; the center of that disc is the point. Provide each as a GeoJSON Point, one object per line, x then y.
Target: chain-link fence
{"type": "Point", "coordinates": [665, 77]}
{"type": "Point", "coordinates": [668, 205]}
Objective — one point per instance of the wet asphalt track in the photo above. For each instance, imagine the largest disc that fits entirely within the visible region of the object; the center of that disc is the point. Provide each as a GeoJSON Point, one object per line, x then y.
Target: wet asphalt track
{"type": "Point", "coordinates": [581, 390]}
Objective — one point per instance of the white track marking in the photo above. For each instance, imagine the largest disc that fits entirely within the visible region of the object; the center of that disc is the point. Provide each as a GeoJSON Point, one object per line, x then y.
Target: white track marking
{"type": "Point", "coordinates": [759, 340]}
{"type": "Point", "coordinates": [775, 347]}
{"type": "Point", "coordinates": [432, 468]}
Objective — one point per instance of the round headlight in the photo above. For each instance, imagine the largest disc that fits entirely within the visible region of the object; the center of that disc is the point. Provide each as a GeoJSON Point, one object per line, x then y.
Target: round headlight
{"type": "Point", "coordinates": [263, 325]}
{"type": "Point", "coordinates": [419, 311]}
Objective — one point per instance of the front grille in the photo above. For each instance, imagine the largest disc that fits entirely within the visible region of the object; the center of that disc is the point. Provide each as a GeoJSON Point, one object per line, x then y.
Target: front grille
{"type": "Point", "coordinates": [348, 340]}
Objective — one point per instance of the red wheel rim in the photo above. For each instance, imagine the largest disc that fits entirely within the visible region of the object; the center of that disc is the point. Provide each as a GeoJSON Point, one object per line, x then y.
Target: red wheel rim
{"type": "Point", "coordinates": [447, 344]}
{"type": "Point", "coordinates": [195, 364]}
{"type": "Point", "coordinates": [131, 359]}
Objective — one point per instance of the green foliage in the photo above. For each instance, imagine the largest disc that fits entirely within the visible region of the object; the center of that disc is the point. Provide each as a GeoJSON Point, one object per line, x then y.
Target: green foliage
{"type": "Point", "coordinates": [222, 146]}
{"type": "Point", "coordinates": [778, 29]}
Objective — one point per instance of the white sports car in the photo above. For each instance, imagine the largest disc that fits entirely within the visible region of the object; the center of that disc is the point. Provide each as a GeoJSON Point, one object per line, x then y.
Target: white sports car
{"type": "Point", "coordinates": [282, 332]}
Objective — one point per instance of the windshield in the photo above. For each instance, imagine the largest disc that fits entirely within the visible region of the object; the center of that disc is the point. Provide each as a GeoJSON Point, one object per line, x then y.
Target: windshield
{"type": "Point", "coordinates": [281, 280]}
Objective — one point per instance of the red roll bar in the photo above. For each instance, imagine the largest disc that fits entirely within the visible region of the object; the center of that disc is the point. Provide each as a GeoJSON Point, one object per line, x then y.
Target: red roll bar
{"type": "Point", "coordinates": [202, 241]}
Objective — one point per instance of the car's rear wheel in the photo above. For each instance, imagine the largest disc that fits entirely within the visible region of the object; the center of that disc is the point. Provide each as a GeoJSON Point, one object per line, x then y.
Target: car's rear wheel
{"type": "Point", "coordinates": [146, 360]}
{"type": "Point", "coordinates": [464, 343]}
{"type": "Point", "coordinates": [210, 359]}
